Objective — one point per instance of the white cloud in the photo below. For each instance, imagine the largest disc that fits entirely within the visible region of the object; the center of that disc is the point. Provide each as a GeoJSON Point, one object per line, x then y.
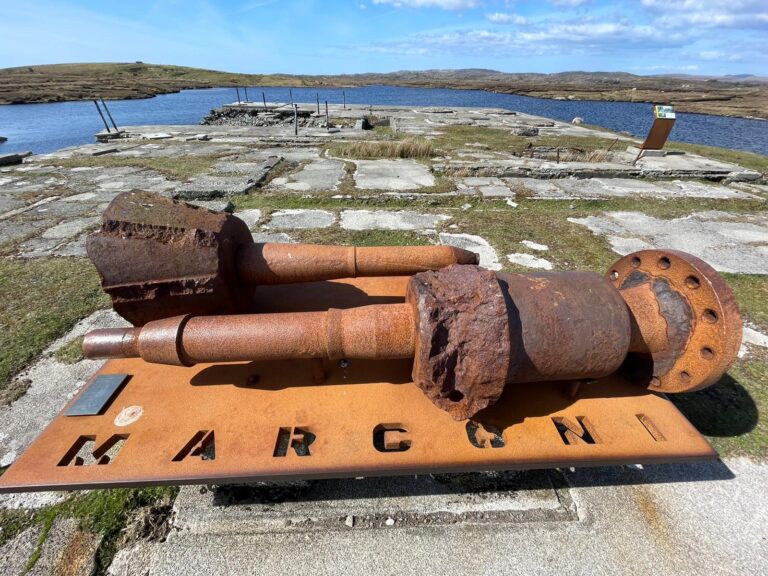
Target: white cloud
{"type": "Point", "coordinates": [444, 4]}
{"type": "Point", "coordinates": [709, 13]}
{"type": "Point", "coordinates": [506, 18]}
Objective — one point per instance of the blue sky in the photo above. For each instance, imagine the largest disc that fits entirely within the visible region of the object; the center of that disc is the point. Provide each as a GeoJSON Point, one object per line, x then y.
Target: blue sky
{"type": "Point", "coordinates": [324, 37]}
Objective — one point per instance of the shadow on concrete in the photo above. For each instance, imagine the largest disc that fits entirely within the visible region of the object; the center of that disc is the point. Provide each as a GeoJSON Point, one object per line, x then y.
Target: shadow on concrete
{"type": "Point", "coordinates": [525, 483]}
{"type": "Point", "coordinates": [723, 410]}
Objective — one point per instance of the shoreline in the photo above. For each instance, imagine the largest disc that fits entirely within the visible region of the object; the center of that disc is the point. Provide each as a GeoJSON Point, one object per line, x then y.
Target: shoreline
{"type": "Point", "coordinates": [563, 96]}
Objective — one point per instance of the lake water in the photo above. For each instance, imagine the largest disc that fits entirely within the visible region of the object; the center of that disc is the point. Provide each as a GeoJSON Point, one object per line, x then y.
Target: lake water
{"type": "Point", "coordinates": [46, 127]}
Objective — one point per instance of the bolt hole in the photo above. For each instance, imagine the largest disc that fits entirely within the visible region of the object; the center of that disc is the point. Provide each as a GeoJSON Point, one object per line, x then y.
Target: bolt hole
{"type": "Point", "coordinates": [664, 263]}
{"type": "Point", "coordinates": [685, 377]}
{"type": "Point", "coordinates": [614, 275]}
{"type": "Point", "coordinates": [635, 262]}
{"type": "Point", "coordinates": [709, 316]}
{"type": "Point", "coordinates": [707, 353]}
{"type": "Point", "coordinates": [344, 363]}
{"type": "Point", "coordinates": [692, 282]}
{"type": "Point", "coordinates": [455, 396]}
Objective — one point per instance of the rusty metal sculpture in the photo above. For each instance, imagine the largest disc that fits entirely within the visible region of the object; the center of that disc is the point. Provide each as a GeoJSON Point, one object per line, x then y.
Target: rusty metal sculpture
{"type": "Point", "coordinates": [665, 318]}
{"type": "Point", "coordinates": [159, 258]}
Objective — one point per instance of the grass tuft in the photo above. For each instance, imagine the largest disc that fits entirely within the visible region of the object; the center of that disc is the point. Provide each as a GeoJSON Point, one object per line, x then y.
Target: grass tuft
{"type": "Point", "coordinates": [407, 148]}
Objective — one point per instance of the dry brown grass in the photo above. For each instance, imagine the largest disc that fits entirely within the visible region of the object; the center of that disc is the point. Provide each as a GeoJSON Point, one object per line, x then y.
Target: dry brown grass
{"type": "Point", "coordinates": [407, 148]}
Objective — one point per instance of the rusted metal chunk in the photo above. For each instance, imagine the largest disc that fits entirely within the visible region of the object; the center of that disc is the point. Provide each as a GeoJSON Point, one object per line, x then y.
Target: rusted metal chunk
{"type": "Point", "coordinates": [159, 258]}
{"type": "Point", "coordinates": [463, 348]}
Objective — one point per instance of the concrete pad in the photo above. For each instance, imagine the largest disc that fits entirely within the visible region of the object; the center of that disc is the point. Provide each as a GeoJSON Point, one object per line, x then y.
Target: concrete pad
{"type": "Point", "coordinates": [536, 187]}
{"type": "Point", "coordinates": [67, 550]}
{"type": "Point", "coordinates": [534, 245]}
{"type": "Point", "coordinates": [276, 237]}
{"type": "Point", "coordinates": [132, 561]}
{"type": "Point", "coordinates": [70, 228]}
{"type": "Point", "coordinates": [320, 174]}
{"type": "Point", "coordinates": [15, 554]}
{"type": "Point", "coordinates": [369, 503]}
{"type": "Point", "coordinates": [398, 174]}
{"type": "Point", "coordinates": [300, 219]}
{"type": "Point", "coordinates": [529, 261]}
{"type": "Point", "coordinates": [684, 519]}
{"type": "Point", "coordinates": [250, 217]}
{"type": "Point", "coordinates": [489, 186]}
{"type": "Point", "coordinates": [389, 220]}
{"type": "Point", "coordinates": [476, 244]}
{"type": "Point", "coordinates": [751, 337]}
{"type": "Point", "coordinates": [728, 242]}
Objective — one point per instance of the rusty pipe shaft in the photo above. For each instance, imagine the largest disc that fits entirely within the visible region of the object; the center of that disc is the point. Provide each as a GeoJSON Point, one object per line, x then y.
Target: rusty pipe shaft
{"type": "Point", "coordinates": [260, 264]}
{"type": "Point", "coordinates": [672, 322]}
{"type": "Point", "coordinates": [372, 332]}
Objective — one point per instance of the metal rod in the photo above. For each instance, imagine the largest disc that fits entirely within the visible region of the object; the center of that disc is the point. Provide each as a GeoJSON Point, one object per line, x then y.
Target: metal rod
{"type": "Point", "coordinates": [102, 117]}
{"type": "Point", "coordinates": [344, 95]}
{"type": "Point", "coordinates": [246, 92]}
{"type": "Point", "coordinates": [317, 94]}
{"type": "Point", "coordinates": [327, 121]}
{"type": "Point", "coordinates": [291, 94]}
{"type": "Point", "coordinates": [264, 99]}
{"type": "Point", "coordinates": [109, 114]}
{"type": "Point", "coordinates": [295, 119]}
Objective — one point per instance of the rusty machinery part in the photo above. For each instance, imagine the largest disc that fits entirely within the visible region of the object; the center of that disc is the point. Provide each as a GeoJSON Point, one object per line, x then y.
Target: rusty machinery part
{"type": "Point", "coordinates": [688, 326]}
{"type": "Point", "coordinates": [371, 332]}
{"type": "Point", "coordinates": [160, 258]}
{"type": "Point", "coordinates": [471, 332]}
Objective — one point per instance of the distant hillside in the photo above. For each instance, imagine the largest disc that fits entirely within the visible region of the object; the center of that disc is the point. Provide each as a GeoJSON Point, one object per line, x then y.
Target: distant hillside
{"type": "Point", "coordinates": [741, 95]}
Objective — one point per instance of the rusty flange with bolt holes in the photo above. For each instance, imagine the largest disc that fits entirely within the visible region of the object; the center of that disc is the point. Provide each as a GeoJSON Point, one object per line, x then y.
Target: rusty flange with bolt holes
{"type": "Point", "coordinates": [689, 326]}
{"type": "Point", "coordinates": [664, 317]}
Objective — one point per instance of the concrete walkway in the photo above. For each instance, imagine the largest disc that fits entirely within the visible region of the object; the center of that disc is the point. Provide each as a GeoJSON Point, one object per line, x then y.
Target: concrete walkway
{"type": "Point", "coordinates": [665, 519]}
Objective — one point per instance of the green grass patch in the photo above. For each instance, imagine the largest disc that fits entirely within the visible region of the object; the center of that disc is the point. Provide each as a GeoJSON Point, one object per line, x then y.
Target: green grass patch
{"type": "Point", "coordinates": [752, 295]}
{"type": "Point", "coordinates": [336, 235]}
{"type": "Point", "coordinates": [42, 299]}
{"type": "Point", "coordinates": [180, 168]}
{"type": "Point", "coordinates": [71, 352]}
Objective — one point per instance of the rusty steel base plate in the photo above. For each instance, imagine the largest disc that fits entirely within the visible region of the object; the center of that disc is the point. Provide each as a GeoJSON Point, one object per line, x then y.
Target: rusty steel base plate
{"type": "Point", "coordinates": [241, 422]}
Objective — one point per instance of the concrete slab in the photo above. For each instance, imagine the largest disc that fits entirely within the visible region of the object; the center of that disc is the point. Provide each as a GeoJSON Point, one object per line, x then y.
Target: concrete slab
{"type": "Point", "coordinates": [534, 245]}
{"type": "Point", "coordinates": [300, 219]}
{"type": "Point", "coordinates": [728, 242]}
{"type": "Point", "coordinates": [250, 217]}
{"type": "Point", "coordinates": [15, 554]}
{"type": "Point", "coordinates": [320, 174]}
{"type": "Point", "coordinates": [67, 550]}
{"type": "Point", "coordinates": [70, 228]}
{"type": "Point", "coordinates": [277, 237]}
{"type": "Point", "coordinates": [392, 175]}
{"type": "Point", "coordinates": [529, 261]}
{"type": "Point", "coordinates": [476, 244]}
{"type": "Point", "coordinates": [671, 519]}
{"type": "Point", "coordinates": [408, 501]}
{"type": "Point", "coordinates": [390, 220]}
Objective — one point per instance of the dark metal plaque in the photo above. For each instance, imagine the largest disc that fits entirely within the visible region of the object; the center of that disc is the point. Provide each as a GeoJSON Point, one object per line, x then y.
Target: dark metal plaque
{"type": "Point", "coordinates": [98, 395]}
